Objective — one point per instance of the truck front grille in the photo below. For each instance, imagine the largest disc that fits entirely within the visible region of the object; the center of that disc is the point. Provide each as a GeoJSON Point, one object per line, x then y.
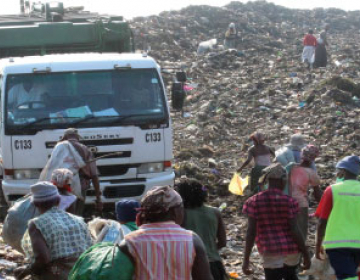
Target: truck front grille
{"type": "Point", "coordinates": [123, 191]}
{"type": "Point", "coordinates": [115, 170]}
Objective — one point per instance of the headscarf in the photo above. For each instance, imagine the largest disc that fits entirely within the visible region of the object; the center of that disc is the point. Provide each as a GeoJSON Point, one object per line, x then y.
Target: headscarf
{"type": "Point", "coordinates": [258, 138]}
{"type": "Point", "coordinates": [350, 164]}
{"type": "Point", "coordinates": [273, 171]}
{"type": "Point", "coordinates": [70, 133]}
{"type": "Point", "coordinates": [310, 153]}
{"type": "Point", "coordinates": [62, 178]}
{"type": "Point", "coordinates": [158, 202]}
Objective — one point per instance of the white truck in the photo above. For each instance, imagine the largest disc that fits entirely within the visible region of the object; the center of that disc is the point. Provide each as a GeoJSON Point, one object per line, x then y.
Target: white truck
{"type": "Point", "coordinates": [116, 101]}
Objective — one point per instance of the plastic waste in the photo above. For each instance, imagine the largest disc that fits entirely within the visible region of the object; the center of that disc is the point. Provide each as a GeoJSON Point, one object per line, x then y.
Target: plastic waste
{"type": "Point", "coordinates": [237, 184]}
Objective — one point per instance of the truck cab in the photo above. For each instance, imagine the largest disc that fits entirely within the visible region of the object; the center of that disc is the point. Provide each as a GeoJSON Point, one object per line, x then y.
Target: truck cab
{"type": "Point", "coordinates": [116, 101]}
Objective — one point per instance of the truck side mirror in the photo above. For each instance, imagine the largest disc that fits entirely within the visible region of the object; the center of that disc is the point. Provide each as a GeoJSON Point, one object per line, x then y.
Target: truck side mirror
{"type": "Point", "coordinates": [181, 77]}
{"type": "Point", "coordinates": [177, 96]}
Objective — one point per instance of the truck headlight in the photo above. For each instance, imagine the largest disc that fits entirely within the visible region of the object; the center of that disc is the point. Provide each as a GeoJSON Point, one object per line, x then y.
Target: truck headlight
{"type": "Point", "coordinates": [23, 174]}
{"type": "Point", "coordinates": [153, 167]}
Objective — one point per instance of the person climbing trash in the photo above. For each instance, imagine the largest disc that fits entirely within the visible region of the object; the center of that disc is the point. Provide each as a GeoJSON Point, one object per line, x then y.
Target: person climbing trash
{"type": "Point", "coordinates": [231, 36]}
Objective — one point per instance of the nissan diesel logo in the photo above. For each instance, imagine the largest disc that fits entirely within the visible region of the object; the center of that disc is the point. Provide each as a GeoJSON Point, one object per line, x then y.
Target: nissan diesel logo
{"type": "Point", "coordinates": [93, 149]}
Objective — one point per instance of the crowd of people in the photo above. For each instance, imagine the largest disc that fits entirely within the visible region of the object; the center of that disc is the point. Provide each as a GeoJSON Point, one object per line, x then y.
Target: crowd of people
{"type": "Point", "coordinates": [173, 234]}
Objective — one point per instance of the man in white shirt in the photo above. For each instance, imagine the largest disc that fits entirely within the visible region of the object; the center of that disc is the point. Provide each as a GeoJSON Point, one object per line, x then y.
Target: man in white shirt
{"type": "Point", "coordinates": [25, 92]}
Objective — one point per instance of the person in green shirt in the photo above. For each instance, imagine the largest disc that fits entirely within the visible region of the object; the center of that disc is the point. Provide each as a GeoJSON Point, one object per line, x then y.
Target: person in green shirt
{"type": "Point", "coordinates": [206, 221]}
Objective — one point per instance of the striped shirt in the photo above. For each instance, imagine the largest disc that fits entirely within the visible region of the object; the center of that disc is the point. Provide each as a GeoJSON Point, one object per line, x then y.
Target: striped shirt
{"type": "Point", "coordinates": [162, 251]}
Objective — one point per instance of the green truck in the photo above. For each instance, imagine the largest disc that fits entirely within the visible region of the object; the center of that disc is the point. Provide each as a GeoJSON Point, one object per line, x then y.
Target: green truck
{"type": "Point", "coordinates": [48, 28]}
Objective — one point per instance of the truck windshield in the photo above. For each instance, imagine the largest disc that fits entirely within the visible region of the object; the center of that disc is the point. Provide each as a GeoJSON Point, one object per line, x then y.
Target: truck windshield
{"type": "Point", "coordinates": [84, 99]}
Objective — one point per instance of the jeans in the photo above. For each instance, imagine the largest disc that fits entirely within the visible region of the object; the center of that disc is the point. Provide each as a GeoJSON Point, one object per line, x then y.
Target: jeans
{"type": "Point", "coordinates": [345, 262]}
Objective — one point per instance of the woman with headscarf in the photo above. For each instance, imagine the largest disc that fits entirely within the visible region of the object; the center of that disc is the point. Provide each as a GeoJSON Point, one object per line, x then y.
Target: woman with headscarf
{"type": "Point", "coordinates": [261, 154]}
{"type": "Point", "coordinates": [62, 179]}
{"type": "Point", "coordinates": [161, 237]}
{"type": "Point", "coordinates": [320, 51]}
{"type": "Point", "coordinates": [301, 177]}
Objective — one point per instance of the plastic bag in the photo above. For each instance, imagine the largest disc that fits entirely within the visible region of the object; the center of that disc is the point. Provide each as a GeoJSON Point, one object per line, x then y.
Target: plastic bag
{"type": "Point", "coordinates": [238, 184]}
{"type": "Point", "coordinates": [206, 46]}
{"type": "Point", "coordinates": [102, 261]}
{"type": "Point", "coordinates": [16, 222]}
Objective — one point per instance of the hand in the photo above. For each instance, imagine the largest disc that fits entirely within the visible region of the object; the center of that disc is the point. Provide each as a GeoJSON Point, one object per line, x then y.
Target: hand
{"type": "Point", "coordinates": [238, 170]}
{"type": "Point", "coordinates": [21, 272]}
{"type": "Point", "coordinates": [245, 268]}
{"type": "Point", "coordinates": [307, 262]}
{"type": "Point", "coordinates": [319, 252]}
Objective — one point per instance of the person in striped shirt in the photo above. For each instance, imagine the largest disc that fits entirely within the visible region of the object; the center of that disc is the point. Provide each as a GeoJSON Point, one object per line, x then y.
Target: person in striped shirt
{"type": "Point", "coordinates": [160, 249]}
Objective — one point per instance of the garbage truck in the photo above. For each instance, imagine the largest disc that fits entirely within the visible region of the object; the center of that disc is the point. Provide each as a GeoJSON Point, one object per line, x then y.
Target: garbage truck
{"type": "Point", "coordinates": [64, 68]}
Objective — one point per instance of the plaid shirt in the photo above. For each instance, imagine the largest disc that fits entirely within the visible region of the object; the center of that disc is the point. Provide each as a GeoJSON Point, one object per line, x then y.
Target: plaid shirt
{"type": "Point", "coordinates": [272, 210]}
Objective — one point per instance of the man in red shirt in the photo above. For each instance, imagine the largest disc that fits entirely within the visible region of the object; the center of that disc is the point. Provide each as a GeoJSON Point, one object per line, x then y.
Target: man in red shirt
{"type": "Point", "coordinates": [272, 225]}
{"type": "Point", "coordinates": [308, 55]}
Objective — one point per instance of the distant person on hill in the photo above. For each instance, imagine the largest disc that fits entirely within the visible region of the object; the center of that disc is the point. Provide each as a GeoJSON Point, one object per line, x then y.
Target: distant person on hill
{"type": "Point", "coordinates": [206, 221]}
{"type": "Point", "coordinates": [321, 52]}
{"type": "Point", "coordinates": [230, 37]}
{"type": "Point", "coordinates": [308, 55]}
{"type": "Point", "coordinates": [262, 157]}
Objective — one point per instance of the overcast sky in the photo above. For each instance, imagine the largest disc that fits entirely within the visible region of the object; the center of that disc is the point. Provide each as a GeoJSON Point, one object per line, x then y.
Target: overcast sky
{"type": "Point", "coordinates": [132, 8]}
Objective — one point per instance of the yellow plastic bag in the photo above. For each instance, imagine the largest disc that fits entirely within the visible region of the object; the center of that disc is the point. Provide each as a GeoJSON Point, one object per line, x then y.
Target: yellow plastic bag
{"type": "Point", "coordinates": [238, 184]}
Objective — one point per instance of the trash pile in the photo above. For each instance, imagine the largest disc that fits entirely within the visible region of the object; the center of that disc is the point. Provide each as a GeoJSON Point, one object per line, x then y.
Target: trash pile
{"type": "Point", "coordinates": [260, 85]}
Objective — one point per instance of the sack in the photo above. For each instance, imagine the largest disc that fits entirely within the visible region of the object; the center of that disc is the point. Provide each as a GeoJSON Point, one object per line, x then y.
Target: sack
{"type": "Point", "coordinates": [16, 222]}
{"type": "Point", "coordinates": [102, 261]}
{"type": "Point", "coordinates": [238, 184]}
{"type": "Point", "coordinates": [65, 155]}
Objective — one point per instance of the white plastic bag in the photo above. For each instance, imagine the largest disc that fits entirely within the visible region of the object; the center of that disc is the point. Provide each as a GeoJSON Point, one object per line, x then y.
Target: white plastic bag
{"type": "Point", "coordinates": [206, 46]}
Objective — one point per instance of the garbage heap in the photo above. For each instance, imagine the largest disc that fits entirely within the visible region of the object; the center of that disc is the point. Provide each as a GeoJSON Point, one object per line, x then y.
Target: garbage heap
{"type": "Point", "coordinates": [262, 85]}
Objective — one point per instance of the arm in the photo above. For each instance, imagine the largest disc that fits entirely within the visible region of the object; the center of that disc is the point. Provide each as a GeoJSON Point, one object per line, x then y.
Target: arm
{"type": "Point", "coordinates": [221, 233]}
{"type": "Point", "coordinates": [250, 241]}
{"type": "Point", "coordinates": [40, 249]}
{"type": "Point", "coordinates": [300, 242]}
{"type": "Point", "coordinates": [250, 157]}
{"type": "Point", "coordinates": [201, 266]}
{"type": "Point", "coordinates": [317, 193]}
{"type": "Point", "coordinates": [320, 233]}
{"type": "Point", "coordinates": [272, 151]}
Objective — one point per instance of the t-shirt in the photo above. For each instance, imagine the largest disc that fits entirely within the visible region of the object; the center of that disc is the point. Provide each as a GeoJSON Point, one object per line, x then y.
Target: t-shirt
{"type": "Point", "coordinates": [272, 211]}
{"type": "Point", "coordinates": [301, 178]}
{"type": "Point", "coordinates": [18, 95]}
{"type": "Point", "coordinates": [310, 40]}
{"type": "Point", "coordinates": [326, 204]}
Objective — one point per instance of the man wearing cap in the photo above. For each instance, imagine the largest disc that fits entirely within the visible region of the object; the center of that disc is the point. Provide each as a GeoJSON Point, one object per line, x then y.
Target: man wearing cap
{"type": "Point", "coordinates": [55, 239]}
{"type": "Point", "coordinates": [292, 151]}
{"type": "Point", "coordinates": [272, 225]}
{"type": "Point", "coordinates": [88, 172]}
{"type": "Point", "coordinates": [339, 224]}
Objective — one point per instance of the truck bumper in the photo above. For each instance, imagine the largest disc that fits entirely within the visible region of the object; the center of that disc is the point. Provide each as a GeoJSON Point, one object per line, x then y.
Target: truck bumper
{"type": "Point", "coordinates": [113, 190]}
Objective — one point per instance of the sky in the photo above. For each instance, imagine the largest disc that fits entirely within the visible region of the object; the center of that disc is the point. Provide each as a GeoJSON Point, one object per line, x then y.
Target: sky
{"type": "Point", "coordinates": [131, 8]}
